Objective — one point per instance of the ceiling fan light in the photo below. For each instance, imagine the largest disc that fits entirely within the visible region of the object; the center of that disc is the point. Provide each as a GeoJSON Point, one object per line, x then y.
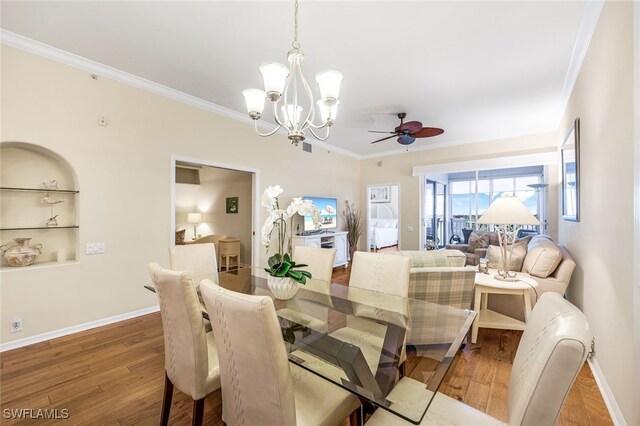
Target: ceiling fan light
{"type": "Point", "coordinates": [329, 83]}
{"type": "Point", "coordinates": [255, 102]}
{"type": "Point", "coordinates": [291, 114]}
{"type": "Point", "coordinates": [328, 113]}
{"type": "Point", "coordinates": [274, 76]}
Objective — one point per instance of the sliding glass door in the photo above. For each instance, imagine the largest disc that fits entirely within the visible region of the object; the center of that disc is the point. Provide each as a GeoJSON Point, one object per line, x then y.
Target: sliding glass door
{"type": "Point", "coordinates": [434, 211]}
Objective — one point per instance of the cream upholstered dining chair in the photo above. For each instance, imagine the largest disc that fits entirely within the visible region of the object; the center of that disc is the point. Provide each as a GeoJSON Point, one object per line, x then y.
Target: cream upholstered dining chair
{"type": "Point", "coordinates": [320, 261]}
{"type": "Point", "coordinates": [553, 348]}
{"type": "Point", "coordinates": [190, 356]}
{"type": "Point", "coordinates": [312, 314]}
{"type": "Point", "coordinates": [382, 273]}
{"type": "Point", "coordinates": [259, 385]}
{"type": "Point", "coordinates": [196, 259]}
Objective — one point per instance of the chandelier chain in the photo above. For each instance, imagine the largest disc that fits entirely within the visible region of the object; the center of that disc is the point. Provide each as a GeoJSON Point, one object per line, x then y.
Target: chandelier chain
{"type": "Point", "coordinates": [295, 43]}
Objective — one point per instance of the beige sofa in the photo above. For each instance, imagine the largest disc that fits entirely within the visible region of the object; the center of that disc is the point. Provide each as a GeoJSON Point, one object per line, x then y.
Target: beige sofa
{"type": "Point", "coordinates": [540, 266]}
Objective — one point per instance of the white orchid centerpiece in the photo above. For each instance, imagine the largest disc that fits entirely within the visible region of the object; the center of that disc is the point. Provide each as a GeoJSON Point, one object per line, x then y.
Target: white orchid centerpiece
{"type": "Point", "coordinates": [281, 264]}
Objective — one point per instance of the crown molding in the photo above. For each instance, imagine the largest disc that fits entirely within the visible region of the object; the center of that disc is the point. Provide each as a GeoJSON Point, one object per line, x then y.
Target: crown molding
{"type": "Point", "coordinates": [583, 39]}
{"type": "Point", "coordinates": [41, 49]}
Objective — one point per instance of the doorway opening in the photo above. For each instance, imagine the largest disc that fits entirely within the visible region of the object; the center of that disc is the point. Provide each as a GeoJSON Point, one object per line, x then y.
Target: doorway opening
{"type": "Point", "coordinates": [215, 203]}
{"type": "Point", "coordinates": [383, 217]}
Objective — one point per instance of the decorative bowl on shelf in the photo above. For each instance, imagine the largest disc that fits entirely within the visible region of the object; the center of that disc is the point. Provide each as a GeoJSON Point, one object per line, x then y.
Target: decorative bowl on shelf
{"type": "Point", "coordinates": [22, 254]}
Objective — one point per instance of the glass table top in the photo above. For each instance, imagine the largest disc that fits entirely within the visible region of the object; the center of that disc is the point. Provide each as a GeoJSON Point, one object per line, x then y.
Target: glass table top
{"type": "Point", "coordinates": [392, 350]}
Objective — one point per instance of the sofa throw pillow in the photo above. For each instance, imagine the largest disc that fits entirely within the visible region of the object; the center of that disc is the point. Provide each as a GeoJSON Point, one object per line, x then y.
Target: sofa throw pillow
{"type": "Point", "coordinates": [477, 241]}
{"type": "Point", "coordinates": [543, 257]}
{"type": "Point", "coordinates": [494, 255]}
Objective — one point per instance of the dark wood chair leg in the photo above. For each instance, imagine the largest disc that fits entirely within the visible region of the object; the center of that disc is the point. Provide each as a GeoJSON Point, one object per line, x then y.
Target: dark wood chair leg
{"type": "Point", "coordinates": [166, 400]}
{"type": "Point", "coordinates": [198, 412]}
{"type": "Point", "coordinates": [355, 418]}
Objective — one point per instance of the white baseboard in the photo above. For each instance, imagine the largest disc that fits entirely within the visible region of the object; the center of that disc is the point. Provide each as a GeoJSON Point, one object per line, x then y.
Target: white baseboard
{"type": "Point", "coordinates": [14, 344]}
{"type": "Point", "coordinates": [607, 395]}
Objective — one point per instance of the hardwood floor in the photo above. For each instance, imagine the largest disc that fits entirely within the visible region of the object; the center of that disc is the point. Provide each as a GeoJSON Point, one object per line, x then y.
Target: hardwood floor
{"type": "Point", "coordinates": [114, 375]}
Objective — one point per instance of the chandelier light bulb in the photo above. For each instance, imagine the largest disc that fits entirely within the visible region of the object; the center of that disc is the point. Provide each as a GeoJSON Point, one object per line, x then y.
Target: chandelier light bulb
{"type": "Point", "coordinates": [255, 102]}
{"type": "Point", "coordinates": [291, 115]}
{"type": "Point", "coordinates": [329, 83]}
{"type": "Point", "coordinates": [328, 113]}
{"type": "Point", "coordinates": [274, 76]}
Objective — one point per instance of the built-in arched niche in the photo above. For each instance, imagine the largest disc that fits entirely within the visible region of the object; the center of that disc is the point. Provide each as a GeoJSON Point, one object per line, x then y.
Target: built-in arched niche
{"type": "Point", "coordinates": [38, 200]}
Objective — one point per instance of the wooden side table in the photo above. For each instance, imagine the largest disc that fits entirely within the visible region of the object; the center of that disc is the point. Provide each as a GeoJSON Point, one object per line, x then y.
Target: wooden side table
{"type": "Point", "coordinates": [486, 318]}
{"type": "Point", "coordinates": [228, 248]}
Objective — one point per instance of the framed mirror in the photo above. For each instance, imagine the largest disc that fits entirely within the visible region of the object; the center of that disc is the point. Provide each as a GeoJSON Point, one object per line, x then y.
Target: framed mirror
{"type": "Point", "coordinates": [570, 153]}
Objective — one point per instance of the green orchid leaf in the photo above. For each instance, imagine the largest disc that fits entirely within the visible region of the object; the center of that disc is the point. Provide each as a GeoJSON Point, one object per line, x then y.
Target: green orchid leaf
{"type": "Point", "coordinates": [283, 269]}
{"type": "Point", "coordinates": [287, 258]}
{"type": "Point", "coordinates": [306, 273]}
{"type": "Point", "coordinates": [296, 275]}
{"type": "Point", "coordinates": [273, 261]}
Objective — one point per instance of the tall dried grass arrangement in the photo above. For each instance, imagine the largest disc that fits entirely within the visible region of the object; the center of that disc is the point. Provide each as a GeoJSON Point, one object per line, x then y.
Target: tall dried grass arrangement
{"type": "Point", "coordinates": [355, 226]}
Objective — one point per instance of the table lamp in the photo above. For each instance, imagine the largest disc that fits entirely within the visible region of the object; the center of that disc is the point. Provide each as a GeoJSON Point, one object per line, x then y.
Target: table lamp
{"type": "Point", "coordinates": [194, 218]}
{"type": "Point", "coordinates": [505, 212]}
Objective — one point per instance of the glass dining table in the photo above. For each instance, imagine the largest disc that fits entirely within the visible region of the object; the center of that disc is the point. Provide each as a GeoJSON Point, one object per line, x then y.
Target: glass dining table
{"type": "Point", "coordinates": [390, 350]}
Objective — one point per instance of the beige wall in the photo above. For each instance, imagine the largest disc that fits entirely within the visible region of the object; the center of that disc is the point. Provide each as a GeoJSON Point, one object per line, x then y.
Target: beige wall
{"type": "Point", "coordinates": [602, 242]}
{"type": "Point", "coordinates": [398, 169]}
{"type": "Point", "coordinates": [124, 177]}
{"type": "Point", "coordinates": [209, 198]}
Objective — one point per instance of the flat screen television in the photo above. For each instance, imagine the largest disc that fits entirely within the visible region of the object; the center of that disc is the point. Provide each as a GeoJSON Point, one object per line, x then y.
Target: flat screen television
{"type": "Point", "coordinates": [328, 214]}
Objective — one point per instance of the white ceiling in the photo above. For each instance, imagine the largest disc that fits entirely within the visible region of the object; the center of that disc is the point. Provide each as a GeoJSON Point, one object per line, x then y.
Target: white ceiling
{"type": "Point", "coordinates": [480, 70]}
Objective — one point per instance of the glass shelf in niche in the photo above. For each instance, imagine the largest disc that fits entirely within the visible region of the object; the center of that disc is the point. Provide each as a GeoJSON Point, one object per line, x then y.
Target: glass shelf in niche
{"type": "Point", "coordinates": [64, 191]}
{"type": "Point", "coordinates": [24, 228]}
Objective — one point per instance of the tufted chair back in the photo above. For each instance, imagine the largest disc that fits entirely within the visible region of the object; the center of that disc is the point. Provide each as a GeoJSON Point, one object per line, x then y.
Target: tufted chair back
{"type": "Point", "coordinates": [256, 380]}
{"type": "Point", "coordinates": [552, 350]}
{"type": "Point", "coordinates": [320, 261]}
{"type": "Point", "coordinates": [185, 345]}
{"type": "Point", "coordinates": [380, 272]}
{"type": "Point", "coordinates": [196, 259]}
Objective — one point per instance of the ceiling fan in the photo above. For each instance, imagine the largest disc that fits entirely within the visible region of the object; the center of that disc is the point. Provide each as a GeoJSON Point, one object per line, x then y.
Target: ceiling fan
{"type": "Point", "coordinates": [409, 131]}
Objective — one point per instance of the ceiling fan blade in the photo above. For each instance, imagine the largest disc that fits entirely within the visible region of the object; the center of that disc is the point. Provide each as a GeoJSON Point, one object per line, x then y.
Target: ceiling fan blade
{"type": "Point", "coordinates": [406, 140]}
{"type": "Point", "coordinates": [384, 139]}
{"type": "Point", "coordinates": [378, 131]}
{"type": "Point", "coordinates": [411, 126]}
{"type": "Point", "coordinates": [427, 132]}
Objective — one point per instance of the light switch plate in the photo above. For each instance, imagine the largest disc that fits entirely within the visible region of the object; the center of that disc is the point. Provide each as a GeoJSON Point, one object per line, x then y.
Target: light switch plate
{"type": "Point", "coordinates": [95, 248]}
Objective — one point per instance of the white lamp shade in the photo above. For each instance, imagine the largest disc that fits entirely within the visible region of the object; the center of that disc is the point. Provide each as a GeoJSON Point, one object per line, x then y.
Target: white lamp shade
{"type": "Point", "coordinates": [274, 76]}
{"type": "Point", "coordinates": [327, 112]}
{"type": "Point", "coordinates": [329, 83]}
{"type": "Point", "coordinates": [255, 100]}
{"type": "Point", "coordinates": [194, 217]}
{"type": "Point", "coordinates": [291, 111]}
{"type": "Point", "coordinates": [508, 211]}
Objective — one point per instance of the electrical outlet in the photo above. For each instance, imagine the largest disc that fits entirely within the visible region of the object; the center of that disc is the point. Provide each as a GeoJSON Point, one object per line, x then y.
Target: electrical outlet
{"type": "Point", "coordinates": [409, 228]}
{"type": "Point", "coordinates": [95, 248]}
{"type": "Point", "coordinates": [16, 325]}
{"type": "Point", "coordinates": [102, 121]}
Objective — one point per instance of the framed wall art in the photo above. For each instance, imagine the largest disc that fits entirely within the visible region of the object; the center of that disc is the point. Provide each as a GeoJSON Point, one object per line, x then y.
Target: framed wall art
{"type": "Point", "coordinates": [232, 205]}
{"type": "Point", "coordinates": [380, 194]}
{"type": "Point", "coordinates": [570, 153]}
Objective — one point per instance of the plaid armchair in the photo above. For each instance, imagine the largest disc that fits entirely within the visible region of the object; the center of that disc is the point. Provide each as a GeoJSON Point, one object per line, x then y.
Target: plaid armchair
{"type": "Point", "coordinates": [447, 288]}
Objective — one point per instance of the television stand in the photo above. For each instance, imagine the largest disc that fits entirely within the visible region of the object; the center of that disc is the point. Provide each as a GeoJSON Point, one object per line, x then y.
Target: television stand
{"type": "Point", "coordinates": [336, 240]}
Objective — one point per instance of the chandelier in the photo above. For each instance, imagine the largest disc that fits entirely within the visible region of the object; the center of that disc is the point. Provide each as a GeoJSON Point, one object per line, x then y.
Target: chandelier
{"type": "Point", "coordinates": [289, 86]}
